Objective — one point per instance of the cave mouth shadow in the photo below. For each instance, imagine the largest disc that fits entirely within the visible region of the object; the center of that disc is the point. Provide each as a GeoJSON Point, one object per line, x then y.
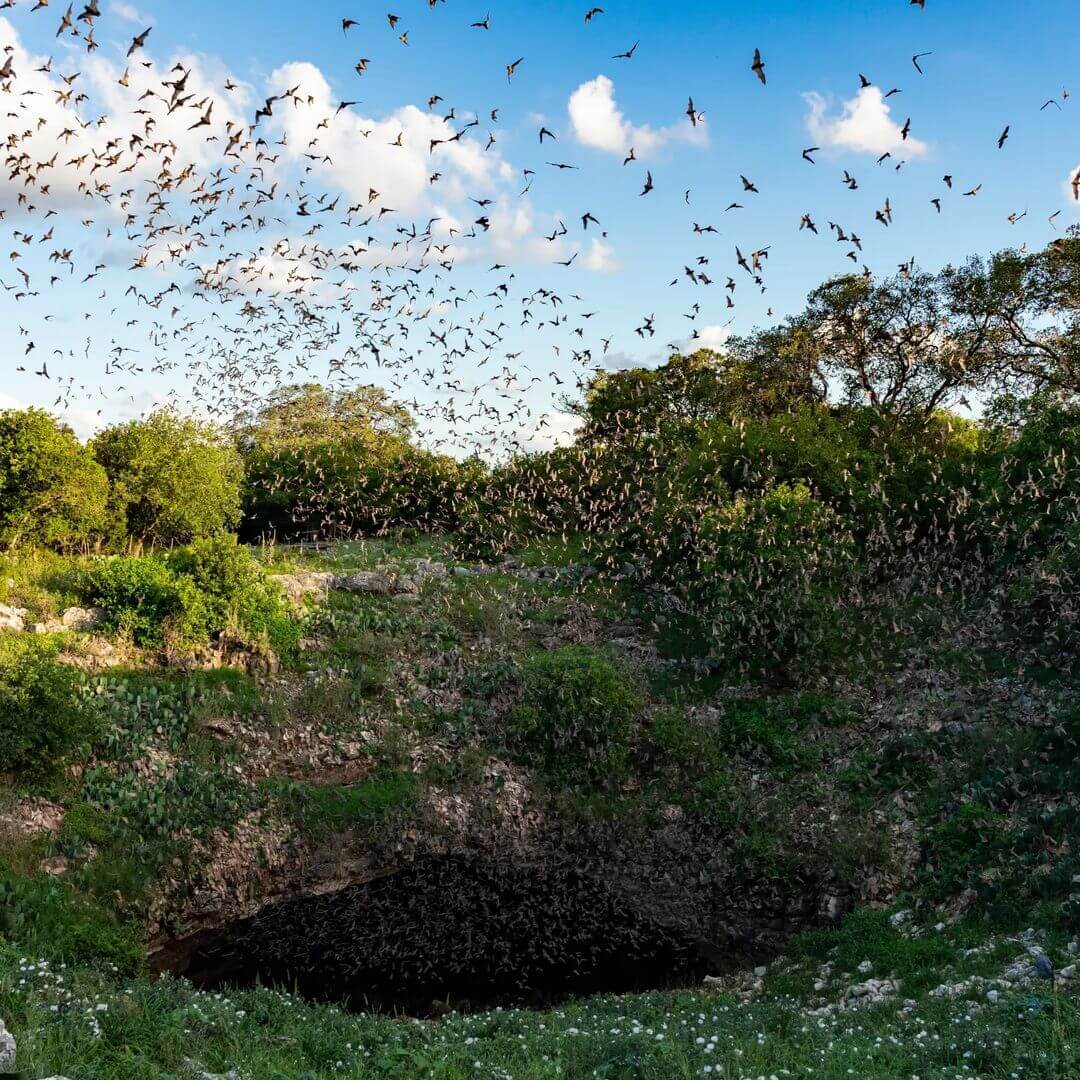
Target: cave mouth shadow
{"type": "Point", "coordinates": [450, 934]}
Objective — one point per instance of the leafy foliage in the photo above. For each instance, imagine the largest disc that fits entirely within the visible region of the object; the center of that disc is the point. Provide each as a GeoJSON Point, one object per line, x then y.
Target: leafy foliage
{"type": "Point", "coordinates": [52, 492]}
{"type": "Point", "coordinates": [576, 716]}
{"type": "Point", "coordinates": [763, 576]}
{"type": "Point", "coordinates": [195, 593]}
{"type": "Point", "coordinates": [173, 479]}
{"type": "Point", "coordinates": [46, 720]}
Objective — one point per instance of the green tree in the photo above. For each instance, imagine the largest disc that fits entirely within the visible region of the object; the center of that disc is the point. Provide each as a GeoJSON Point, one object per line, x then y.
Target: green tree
{"type": "Point", "coordinates": [173, 479]}
{"type": "Point", "coordinates": [757, 375]}
{"type": "Point", "coordinates": [52, 491]}
{"type": "Point", "coordinates": [307, 413]}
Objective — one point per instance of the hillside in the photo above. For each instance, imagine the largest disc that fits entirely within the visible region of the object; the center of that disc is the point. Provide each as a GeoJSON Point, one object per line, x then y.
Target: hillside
{"type": "Point", "coordinates": [374, 819]}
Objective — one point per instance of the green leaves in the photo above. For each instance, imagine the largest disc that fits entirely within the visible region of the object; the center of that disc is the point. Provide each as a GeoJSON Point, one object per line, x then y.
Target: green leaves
{"type": "Point", "coordinates": [46, 720]}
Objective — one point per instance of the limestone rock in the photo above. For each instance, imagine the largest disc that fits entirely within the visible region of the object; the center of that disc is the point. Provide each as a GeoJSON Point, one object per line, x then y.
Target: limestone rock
{"type": "Point", "coordinates": [195, 1070]}
{"type": "Point", "coordinates": [12, 618]}
{"type": "Point", "coordinates": [7, 1050]}
{"type": "Point", "coordinates": [429, 570]}
{"type": "Point", "coordinates": [54, 866]}
{"type": "Point", "coordinates": [376, 583]}
{"type": "Point", "coordinates": [82, 619]}
{"type": "Point", "coordinates": [307, 583]}
{"type": "Point", "coordinates": [31, 817]}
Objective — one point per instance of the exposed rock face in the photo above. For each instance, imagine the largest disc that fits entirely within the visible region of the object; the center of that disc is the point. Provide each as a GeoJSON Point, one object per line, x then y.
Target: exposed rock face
{"type": "Point", "coordinates": [84, 620]}
{"type": "Point", "coordinates": [298, 587]}
{"type": "Point", "coordinates": [376, 583]}
{"type": "Point", "coordinates": [7, 1050]}
{"type": "Point", "coordinates": [12, 618]}
{"type": "Point", "coordinates": [30, 817]}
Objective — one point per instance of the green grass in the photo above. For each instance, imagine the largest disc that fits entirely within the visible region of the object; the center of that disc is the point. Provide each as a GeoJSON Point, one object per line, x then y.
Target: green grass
{"type": "Point", "coordinates": [89, 1024]}
{"type": "Point", "coordinates": [323, 810]}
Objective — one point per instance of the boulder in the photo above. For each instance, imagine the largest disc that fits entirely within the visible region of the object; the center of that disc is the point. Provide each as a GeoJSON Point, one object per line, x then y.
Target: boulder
{"type": "Point", "coordinates": [12, 618]}
{"type": "Point", "coordinates": [195, 1070]}
{"type": "Point", "coordinates": [85, 620]}
{"type": "Point", "coordinates": [32, 816]}
{"type": "Point", "coordinates": [7, 1050]}
{"type": "Point", "coordinates": [307, 583]}
{"type": "Point", "coordinates": [375, 583]}
{"type": "Point", "coordinates": [429, 570]}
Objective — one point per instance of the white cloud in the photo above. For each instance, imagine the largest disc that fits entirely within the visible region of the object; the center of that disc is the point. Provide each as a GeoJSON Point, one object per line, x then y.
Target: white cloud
{"type": "Point", "coordinates": [709, 337]}
{"type": "Point", "coordinates": [600, 258]}
{"type": "Point", "coordinates": [599, 122]}
{"type": "Point", "coordinates": [865, 125]}
{"type": "Point", "coordinates": [359, 153]}
{"type": "Point", "coordinates": [1067, 187]}
{"type": "Point", "coordinates": [552, 429]}
{"type": "Point", "coordinates": [129, 12]}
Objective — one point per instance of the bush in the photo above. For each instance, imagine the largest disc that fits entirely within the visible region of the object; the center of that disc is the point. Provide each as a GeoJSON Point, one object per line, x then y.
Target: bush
{"type": "Point", "coordinates": [144, 599]}
{"type": "Point", "coordinates": [763, 577]}
{"type": "Point", "coordinates": [576, 715]}
{"type": "Point", "coordinates": [196, 593]}
{"type": "Point", "coordinates": [236, 593]}
{"type": "Point", "coordinates": [1042, 602]}
{"type": "Point", "coordinates": [52, 491]}
{"type": "Point", "coordinates": [46, 721]}
{"type": "Point", "coordinates": [352, 487]}
{"type": "Point", "coordinates": [173, 479]}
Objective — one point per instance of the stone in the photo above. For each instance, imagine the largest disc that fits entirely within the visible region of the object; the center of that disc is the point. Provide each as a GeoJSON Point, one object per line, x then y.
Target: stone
{"type": "Point", "coordinates": [308, 583]}
{"type": "Point", "coordinates": [7, 1050]}
{"type": "Point", "coordinates": [865, 968]}
{"type": "Point", "coordinates": [82, 619]}
{"type": "Point", "coordinates": [429, 570]}
{"type": "Point", "coordinates": [375, 583]}
{"type": "Point", "coordinates": [901, 917]}
{"type": "Point", "coordinates": [32, 816]}
{"type": "Point", "coordinates": [12, 618]}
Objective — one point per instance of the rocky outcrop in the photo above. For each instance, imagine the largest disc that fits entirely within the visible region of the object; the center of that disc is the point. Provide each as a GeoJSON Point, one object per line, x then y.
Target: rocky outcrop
{"type": "Point", "coordinates": [7, 1050]}
{"type": "Point", "coordinates": [32, 817]}
{"type": "Point", "coordinates": [12, 618]}
{"type": "Point", "coordinates": [83, 620]}
{"type": "Point", "coordinates": [304, 585]}
{"type": "Point", "coordinates": [376, 583]}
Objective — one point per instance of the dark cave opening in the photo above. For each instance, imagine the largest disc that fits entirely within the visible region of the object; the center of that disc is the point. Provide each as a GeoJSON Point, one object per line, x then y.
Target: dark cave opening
{"type": "Point", "coordinates": [452, 933]}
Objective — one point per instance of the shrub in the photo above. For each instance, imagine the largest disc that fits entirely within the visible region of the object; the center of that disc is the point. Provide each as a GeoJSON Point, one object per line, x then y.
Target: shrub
{"type": "Point", "coordinates": [351, 487]}
{"type": "Point", "coordinates": [173, 479]}
{"type": "Point", "coordinates": [195, 593]}
{"type": "Point", "coordinates": [576, 715]}
{"type": "Point", "coordinates": [143, 598]}
{"type": "Point", "coordinates": [46, 721]}
{"type": "Point", "coordinates": [1042, 602]}
{"type": "Point", "coordinates": [1030, 490]}
{"type": "Point", "coordinates": [237, 595]}
{"type": "Point", "coordinates": [52, 491]}
{"type": "Point", "coordinates": [763, 577]}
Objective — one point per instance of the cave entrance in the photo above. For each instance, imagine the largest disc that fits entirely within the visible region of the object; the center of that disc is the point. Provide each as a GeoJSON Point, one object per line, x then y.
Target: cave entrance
{"type": "Point", "coordinates": [453, 933]}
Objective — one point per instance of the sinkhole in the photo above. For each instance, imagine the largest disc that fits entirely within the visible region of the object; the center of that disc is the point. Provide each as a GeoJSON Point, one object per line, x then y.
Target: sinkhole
{"type": "Point", "coordinates": [449, 933]}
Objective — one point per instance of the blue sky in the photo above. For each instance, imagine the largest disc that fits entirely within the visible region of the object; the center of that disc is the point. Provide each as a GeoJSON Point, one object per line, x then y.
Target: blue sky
{"type": "Point", "coordinates": [992, 63]}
